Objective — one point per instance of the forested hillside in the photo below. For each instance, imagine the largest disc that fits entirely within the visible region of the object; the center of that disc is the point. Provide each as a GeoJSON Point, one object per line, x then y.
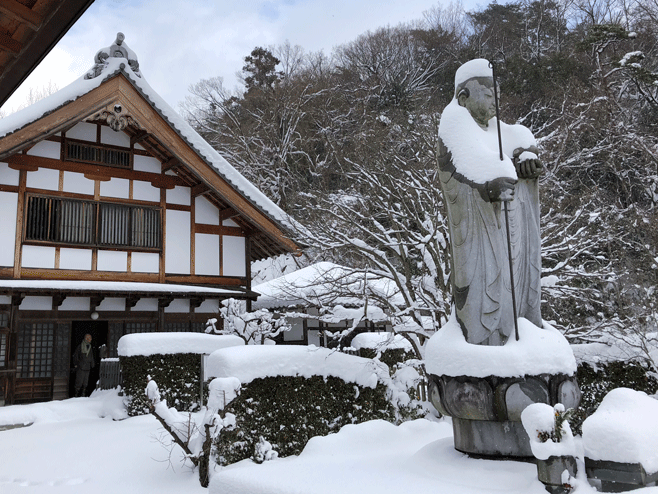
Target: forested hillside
{"type": "Point", "coordinates": [344, 142]}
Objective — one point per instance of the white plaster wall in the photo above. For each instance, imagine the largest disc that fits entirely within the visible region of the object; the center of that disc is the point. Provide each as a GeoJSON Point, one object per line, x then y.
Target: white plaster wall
{"type": "Point", "coordinates": [115, 304]}
{"type": "Point", "coordinates": [209, 306]}
{"type": "Point", "coordinates": [139, 146]}
{"type": "Point", "coordinates": [145, 262]}
{"type": "Point", "coordinates": [144, 191]}
{"type": "Point", "coordinates": [233, 256]}
{"type": "Point", "coordinates": [75, 303]}
{"type": "Point", "coordinates": [296, 332]}
{"type": "Point", "coordinates": [146, 304]}
{"type": "Point", "coordinates": [5, 299]}
{"type": "Point", "coordinates": [37, 303]}
{"type": "Point", "coordinates": [43, 178]}
{"type": "Point", "coordinates": [8, 176]}
{"type": "Point", "coordinates": [205, 212]}
{"type": "Point", "coordinates": [146, 163]}
{"type": "Point", "coordinates": [83, 131]}
{"type": "Point", "coordinates": [37, 256]}
{"type": "Point", "coordinates": [108, 136]}
{"type": "Point", "coordinates": [178, 305]}
{"type": "Point", "coordinates": [314, 337]}
{"type": "Point", "coordinates": [179, 195]}
{"type": "Point", "coordinates": [177, 242]}
{"type": "Point", "coordinates": [75, 259]}
{"type": "Point", "coordinates": [110, 260]}
{"type": "Point", "coordinates": [230, 222]}
{"type": "Point", "coordinates": [206, 254]}
{"type": "Point", "coordinates": [8, 209]}
{"type": "Point", "coordinates": [46, 149]}
{"type": "Point", "coordinates": [76, 182]}
{"type": "Point", "coordinates": [116, 187]}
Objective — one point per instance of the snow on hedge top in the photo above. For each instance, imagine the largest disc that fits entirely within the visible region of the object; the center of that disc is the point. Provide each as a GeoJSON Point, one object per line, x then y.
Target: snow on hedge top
{"type": "Point", "coordinates": [110, 67]}
{"type": "Point", "coordinates": [380, 341]}
{"type": "Point", "coordinates": [146, 344]}
{"type": "Point", "coordinates": [538, 351]}
{"type": "Point", "coordinates": [252, 362]}
{"type": "Point", "coordinates": [624, 429]}
{"type": "Point", "coordinates": [317, 285]}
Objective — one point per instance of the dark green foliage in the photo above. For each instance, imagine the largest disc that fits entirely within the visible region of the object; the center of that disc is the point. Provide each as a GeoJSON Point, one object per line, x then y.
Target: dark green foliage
{"type": "Point", "coordinates": [596, 383]}
{"type": "Point", "coordinates": [390, 356]}
{"type": "Point", "coordinates": [288, 411]}
{"type": "Point", "coordinates": [177, 376]}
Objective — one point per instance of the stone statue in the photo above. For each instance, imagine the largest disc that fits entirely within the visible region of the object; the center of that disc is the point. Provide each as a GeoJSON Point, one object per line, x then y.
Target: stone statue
{"type": "Point", "coordinates": [118, 49]}
{"type": "Point", "coordinates": [475, 182]}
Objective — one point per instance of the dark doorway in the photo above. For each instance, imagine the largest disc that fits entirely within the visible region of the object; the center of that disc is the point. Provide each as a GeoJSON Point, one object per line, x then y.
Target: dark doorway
{"type": "Point", "coordinates": [98, 332]}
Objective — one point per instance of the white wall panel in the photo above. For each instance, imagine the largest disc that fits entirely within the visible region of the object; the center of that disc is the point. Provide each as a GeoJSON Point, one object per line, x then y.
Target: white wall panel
{"type": "Point", "coordinates": [178, 305]}
{"type": "Point", "coordinates": [5, 299]}
{"type": "Point", "coordinates": [8, 176]}
{"type": "Point", "coordinates": [9, 208]}
{"type": "Point", "coordinates": [139, 146]}
{"type": "Point", "coordinates": [233, 256]}
{"type": "Point", "coordinates": [37, 256]}
{"type": "Point", "coordinates": [108, 136]}
{"type": "Point", "coordinates": [146, 164]}
{"type": "Point", "coordinates": [230, 223]}
{"type": "Point", "coordinates": [76, 182]}
{"type": "Point", "coordinates": [206, 254]}
{"type": "Point", "coordinates": [205, 212]}
{"type": "Point", "coordinates": [46, 149]}
{"type": "Point", "coordinates": [110, 260]}
{"type": "Point", "coordinates": [179, 195]}
{"type": "Point", "coordinates": [146, 304]}
{"type": "Point", "coordinates": [75, 259]}
{"type": "Point", "coordinates": [116, 187]}
{"type": "Point", "coordinates": [177, 242]}
{"type": "Point", "coordinates": [83, 131]}
{"type": "Point", "coordinates": [145, 262]}
{"type": "Point", "coordinates": [144, 191]}
{"type": "Point", "coordinates": [75, 303]}
{"type": "Point", "coordinates": [43, 178]}
{"type": "Point", "coordinates": [116, 304]}
{"type": "Point", "coordinates": [208, 307]}
{"type": "Point", "coordinates": [37, 303]}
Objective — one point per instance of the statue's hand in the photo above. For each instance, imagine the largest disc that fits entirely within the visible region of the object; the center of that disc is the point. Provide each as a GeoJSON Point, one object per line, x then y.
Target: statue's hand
{"type": "Point", "coordinates": [527, 164]}
{"type": "Point", "coordinates": [500, 189]}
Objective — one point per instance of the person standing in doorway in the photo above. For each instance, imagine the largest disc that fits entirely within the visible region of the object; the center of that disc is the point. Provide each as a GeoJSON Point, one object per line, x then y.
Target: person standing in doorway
{"type": "Point", "coordinates": [83, 360]}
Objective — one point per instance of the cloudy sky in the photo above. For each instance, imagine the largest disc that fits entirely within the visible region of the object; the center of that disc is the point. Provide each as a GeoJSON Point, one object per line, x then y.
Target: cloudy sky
{"type": "Point", "coordinates": [179, 42]}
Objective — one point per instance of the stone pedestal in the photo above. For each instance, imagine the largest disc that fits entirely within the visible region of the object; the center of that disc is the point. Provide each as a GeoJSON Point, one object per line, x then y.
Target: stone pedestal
{"type": "Point", "coordinates": [486, 411]}
{"type": "Point", "coordinates": [550, 471]}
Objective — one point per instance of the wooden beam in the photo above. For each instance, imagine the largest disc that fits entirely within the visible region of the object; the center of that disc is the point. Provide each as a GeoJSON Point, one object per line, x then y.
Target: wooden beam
{"type": "Point", "coordinates": [131, 301]}
{"type": "Point", "coordinates": [95, 301]}
{"type": "Point", "coordinates": [195, 302]}
{"type": "Point", "coordinates": [168, 165]}
{"type": "Point", "coordinates": [9, 44]}
{"type": "Point", "coordinates": [139, 137]}
{"type": "Point", "coordinates": [58, 299]}
{"type": "Point", "coordinates": [199, 190]}
{"type": "Point", "coordinates": [227, 214]}
{"type": "Point", "coordinates": [20, 13]}
{"type": "Point", "coordinates": [165, 301]}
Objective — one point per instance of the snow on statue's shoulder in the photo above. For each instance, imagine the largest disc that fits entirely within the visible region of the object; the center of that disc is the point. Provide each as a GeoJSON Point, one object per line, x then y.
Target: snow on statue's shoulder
{"type": "Point", "coordinates": [624, 429]}
{"type": "Point", "coordinates": [252, 362]}
{"type": "Point", "coordinates": [538, 351]}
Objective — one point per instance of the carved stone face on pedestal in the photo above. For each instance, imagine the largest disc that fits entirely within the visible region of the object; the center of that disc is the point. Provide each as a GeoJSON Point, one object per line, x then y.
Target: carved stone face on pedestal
{"type": "Point", "coordinates": [477, 96]}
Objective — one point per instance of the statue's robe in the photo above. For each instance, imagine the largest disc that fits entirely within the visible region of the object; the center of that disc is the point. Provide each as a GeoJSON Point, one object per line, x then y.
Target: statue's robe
{"type": "Point", "coordinates": [480, 272]}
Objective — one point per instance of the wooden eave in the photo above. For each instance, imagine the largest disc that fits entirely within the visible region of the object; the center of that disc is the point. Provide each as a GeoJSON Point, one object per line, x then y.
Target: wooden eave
{"type": "Point", "coordinates": [29, 29]}
{"type": "Point", "coordinates": [164, 142]}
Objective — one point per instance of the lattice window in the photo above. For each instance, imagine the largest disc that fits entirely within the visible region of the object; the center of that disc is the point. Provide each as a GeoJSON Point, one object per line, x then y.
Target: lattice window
{"type": "Point", "coordinates": [141, 327]}
{"type": "Point", "coordinates": [177, 327]}
{"type": "Point", "coordinates": [198, 327]}
{"type": "Point", "coordinates": [3, 350]}
{"type": "Point", "coordinates": [72, 221]}
{"type": "Point", "coordinates": [61, 358]}
{"type": "Point", "coordinates": [115, 330]}
{"type": "Point", "coordinates": [99, 155]}
{"type": "Point", "coordinates": [4, 320]}
{"type": "Point", "coordinates": [35, 350]}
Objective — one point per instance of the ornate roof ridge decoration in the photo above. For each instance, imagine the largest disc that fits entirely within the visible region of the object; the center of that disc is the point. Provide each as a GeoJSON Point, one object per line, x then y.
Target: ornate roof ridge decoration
{"type": "Point", "coordinates": [117, 50]}
{"type": "Point", "coordinates": [115, 118]}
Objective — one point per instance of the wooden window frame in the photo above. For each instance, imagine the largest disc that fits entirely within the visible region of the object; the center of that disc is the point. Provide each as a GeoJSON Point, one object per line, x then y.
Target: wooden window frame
{"type": "Point", "coordinates": [101, 238]}
{"type": "Point", "coordinates": [104, 150]}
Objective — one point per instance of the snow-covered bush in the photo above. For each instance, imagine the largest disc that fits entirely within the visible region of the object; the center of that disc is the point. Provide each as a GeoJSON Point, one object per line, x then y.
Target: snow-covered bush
{"type": "Point", "coordinates": [285, 412]}
{"type": "Point", "coordinates": [255, 328]}
{"type": "Point", "coordinates": [548, 430]}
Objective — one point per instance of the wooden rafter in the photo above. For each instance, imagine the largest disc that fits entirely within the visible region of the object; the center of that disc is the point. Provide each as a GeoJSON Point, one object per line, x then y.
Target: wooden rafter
{"type": "Point", "coordinates": [9, 44]}
{"type": "Point", "coordinates": [20, 13]}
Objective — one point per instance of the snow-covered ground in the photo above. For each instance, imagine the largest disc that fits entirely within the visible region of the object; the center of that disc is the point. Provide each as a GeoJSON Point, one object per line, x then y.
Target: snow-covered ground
{"type": "Point", "coordinates": [85, 445]}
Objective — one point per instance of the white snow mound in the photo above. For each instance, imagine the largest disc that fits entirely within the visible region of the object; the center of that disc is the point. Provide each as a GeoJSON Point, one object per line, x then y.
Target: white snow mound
{"type": "Point", "coordinates": [146, 344]}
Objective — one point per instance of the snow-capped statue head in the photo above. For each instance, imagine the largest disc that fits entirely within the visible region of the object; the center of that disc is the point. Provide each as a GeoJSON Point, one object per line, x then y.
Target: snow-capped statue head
{"type": "Point", "coordinates": [474, 90]}
{"type": "Point", "coordinates": [118, 49]}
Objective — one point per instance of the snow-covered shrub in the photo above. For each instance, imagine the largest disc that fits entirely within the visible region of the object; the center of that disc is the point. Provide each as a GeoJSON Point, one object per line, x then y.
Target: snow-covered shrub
{"type": "Point", "coordinates": [548, 430]}
{"type": "Point", "coordinates": [255, 328]}
{"type": "Point", "coordinates": [287, 411]}
{"type": "Point", "coordinates": [178, 377]}
{"type": "Point", "coordinates": [597, 382]}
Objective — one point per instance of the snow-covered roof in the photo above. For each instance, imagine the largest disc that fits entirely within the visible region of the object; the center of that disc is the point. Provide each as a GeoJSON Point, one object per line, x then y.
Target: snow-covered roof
{"type": "Point", "coordinates": [321, 284]}
{"type": "Point", "coordinates": [114, 286]}
{"type": "Point", "coordinates": [111, 66]}
{"type": "Point", "coordinates": [254, 361]}
{"type": "Point", "coordinates": [131, 345]}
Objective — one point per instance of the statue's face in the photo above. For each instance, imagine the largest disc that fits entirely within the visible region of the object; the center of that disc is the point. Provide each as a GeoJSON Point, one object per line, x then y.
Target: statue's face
{"type": "Point", "coordinates": [481, 103]}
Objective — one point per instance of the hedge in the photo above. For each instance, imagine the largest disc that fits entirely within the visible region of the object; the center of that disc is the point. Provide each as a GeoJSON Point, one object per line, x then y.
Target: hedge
{"type": "Point", "coordinates": [178, 377]}
{"type": "Point", "coordinates": [288, 411]}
